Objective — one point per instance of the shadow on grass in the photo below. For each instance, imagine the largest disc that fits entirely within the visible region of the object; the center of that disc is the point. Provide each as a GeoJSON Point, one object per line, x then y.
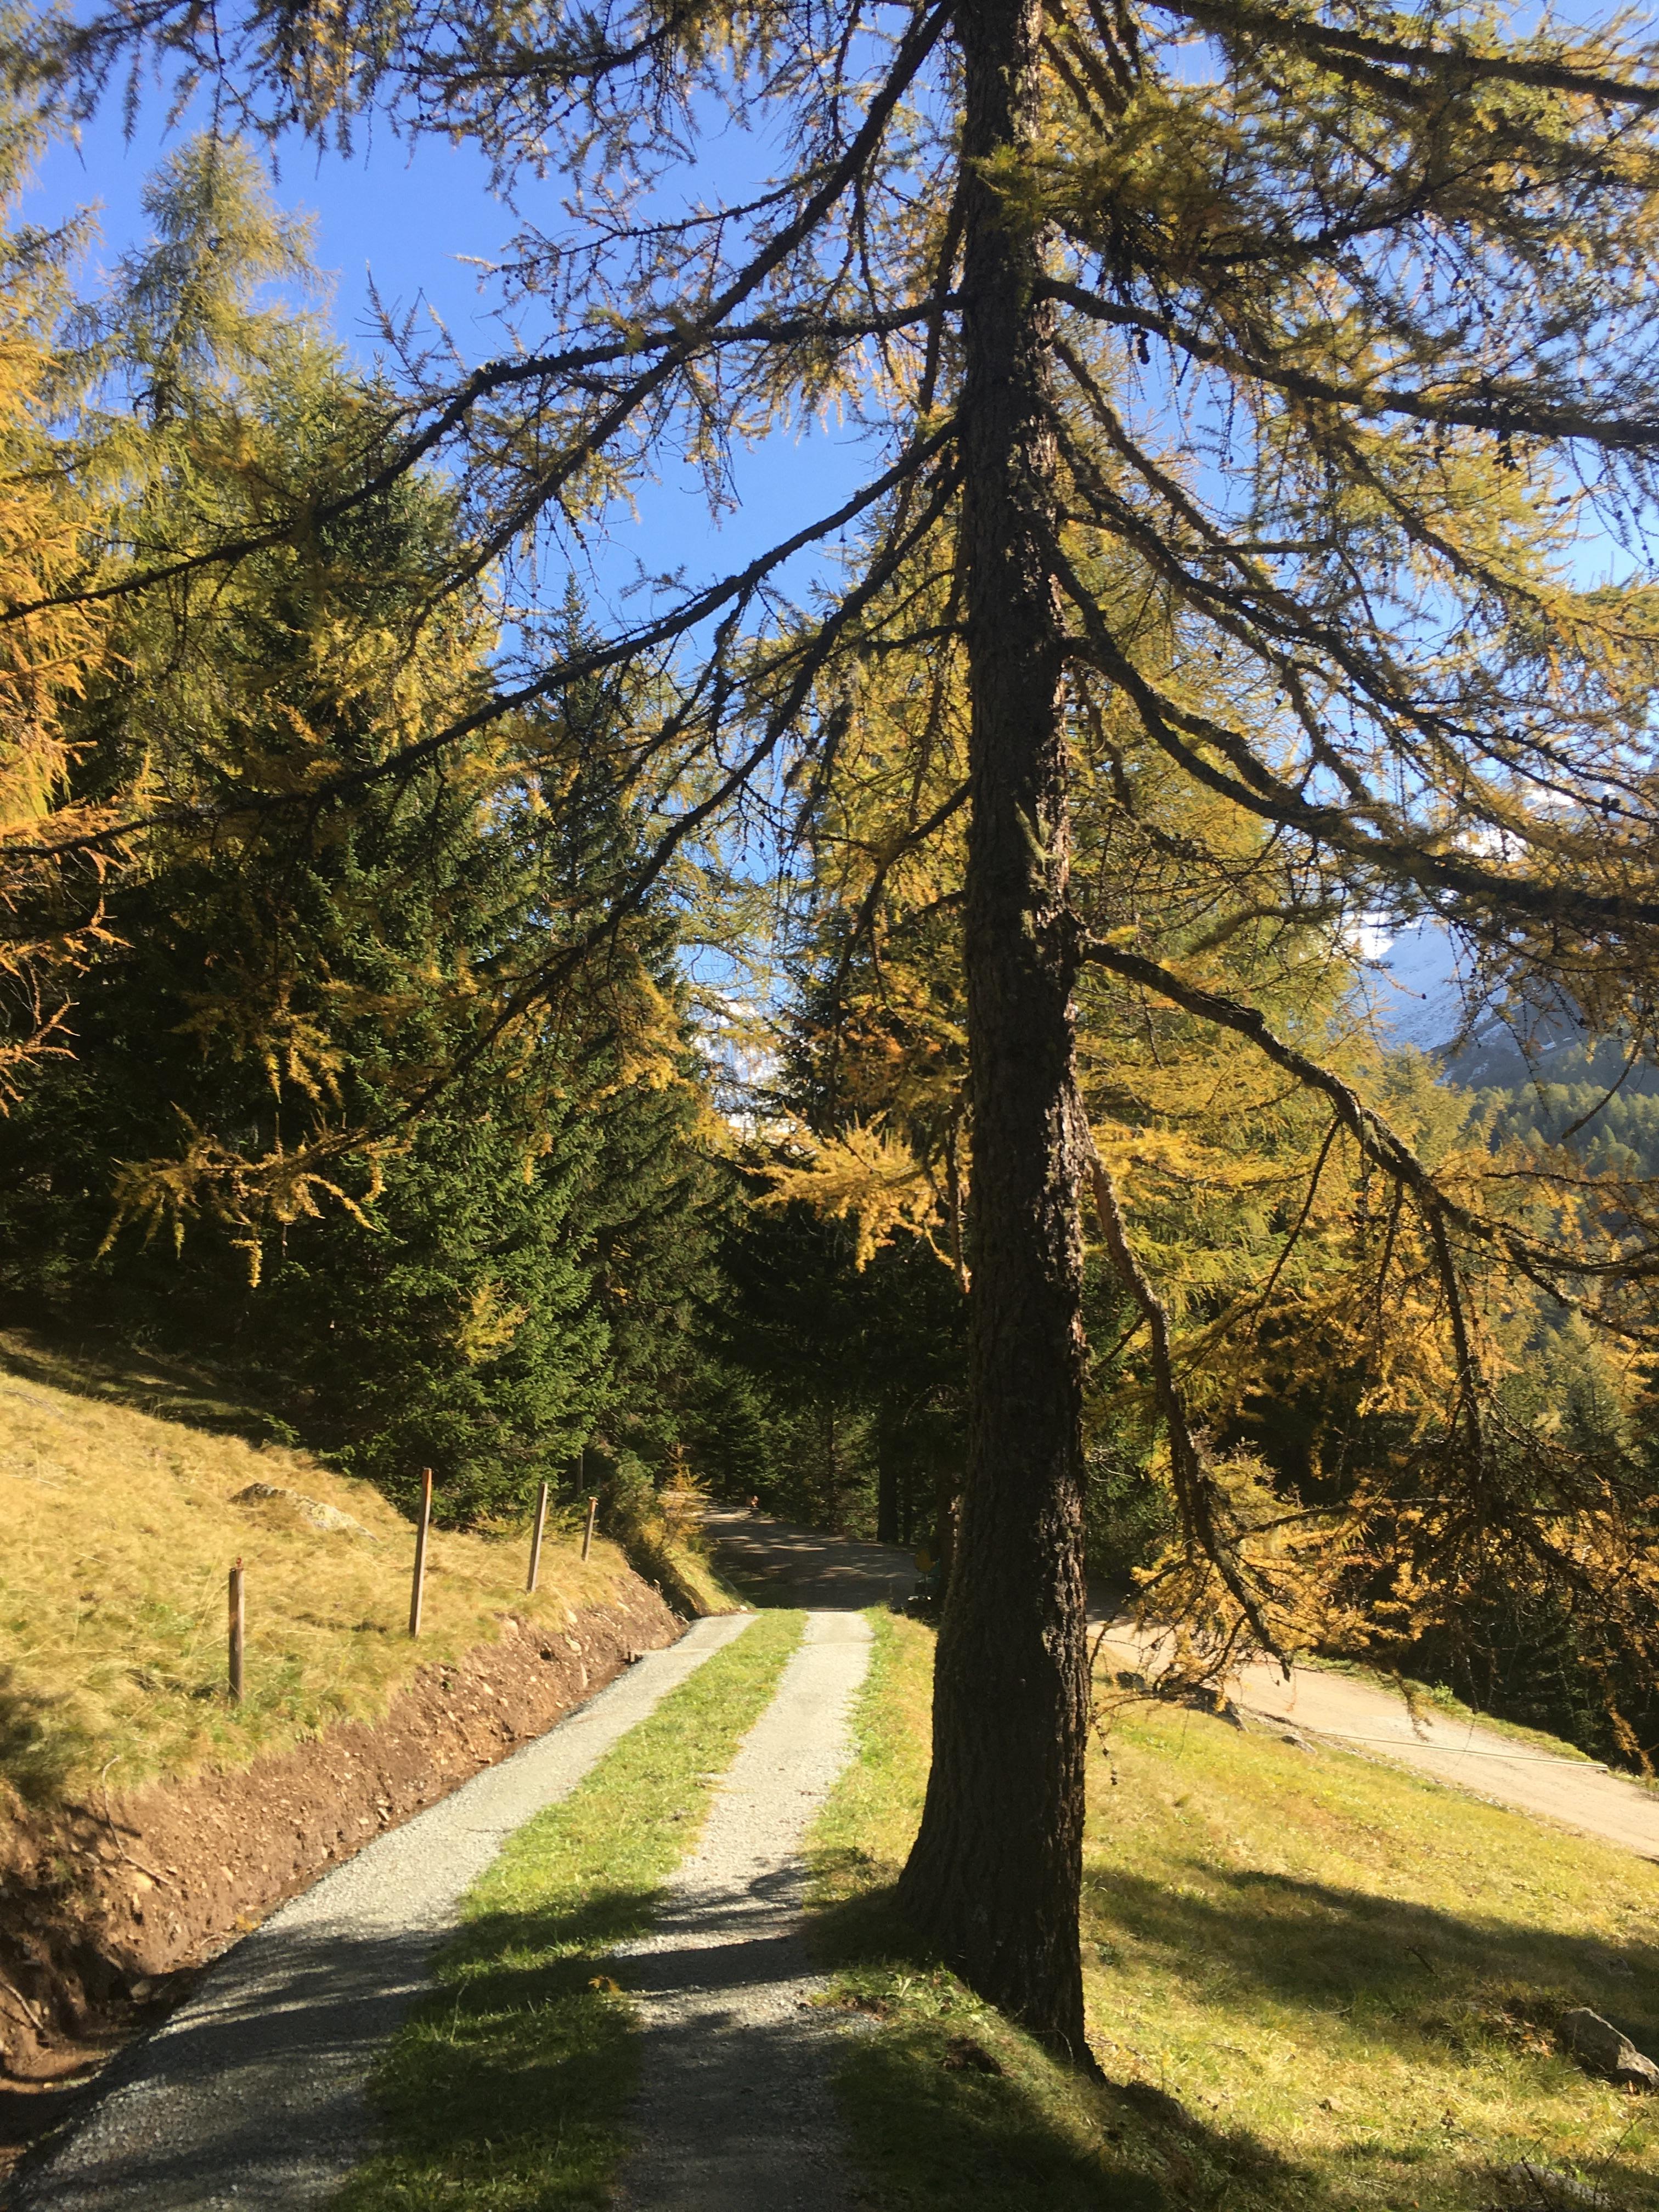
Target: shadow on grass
{"type": "Point", "coordinates": [1025, 2133]}
{"type": "Point", "coordinates": [1325, 1947]}
{"type": "Point", "coordinates": [37, 1748]}
{"type": "Point", "coordinates": [115, 1374]}
{"type": "Point", "coordinates": [1030, 2134]}
{"type": "Point", "coordinates": [510, 2085]}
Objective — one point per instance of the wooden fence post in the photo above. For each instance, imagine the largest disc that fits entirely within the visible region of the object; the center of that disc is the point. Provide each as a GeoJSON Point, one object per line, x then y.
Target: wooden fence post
{"type": "Point", "coordinates": [418, 1587]}
{"type": "Point", "coordinates": [535, 1539]}
{"type": "Point", "coordinates": [238, 1633]}
{"type": "Point", "coordinates": [587, 1533]}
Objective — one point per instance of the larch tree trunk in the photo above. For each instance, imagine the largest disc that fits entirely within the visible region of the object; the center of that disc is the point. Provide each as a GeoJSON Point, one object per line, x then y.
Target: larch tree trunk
{"type": "Point", "coordinates": [995, 1875]}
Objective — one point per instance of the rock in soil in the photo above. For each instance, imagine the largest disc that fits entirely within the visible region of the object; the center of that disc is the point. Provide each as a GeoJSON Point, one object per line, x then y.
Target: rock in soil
{"type": "Point", "coordinates": [312, 1510]}
{"type": "Point", "coordinates": [1596, 2043]}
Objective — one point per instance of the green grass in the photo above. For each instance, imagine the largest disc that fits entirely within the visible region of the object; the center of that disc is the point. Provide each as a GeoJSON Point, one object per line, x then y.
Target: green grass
{"type": "Point", "coordinates": [1319, 1985]}
{"type": "Point", "coordinates": [509, 2089]}
{"type": "Point", "coordinates": [931, 2130]}
{"type": "Point", "coordinates": [117, 1532]}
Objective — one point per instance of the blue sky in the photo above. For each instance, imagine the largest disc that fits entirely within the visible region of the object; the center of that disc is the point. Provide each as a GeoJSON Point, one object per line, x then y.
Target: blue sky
{"type": "Point", "coordinates": [411, 217]}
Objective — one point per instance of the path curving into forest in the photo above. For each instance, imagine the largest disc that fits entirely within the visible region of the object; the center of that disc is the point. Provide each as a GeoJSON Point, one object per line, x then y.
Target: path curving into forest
{"type": "Point", "coordinates": [778, 1561]}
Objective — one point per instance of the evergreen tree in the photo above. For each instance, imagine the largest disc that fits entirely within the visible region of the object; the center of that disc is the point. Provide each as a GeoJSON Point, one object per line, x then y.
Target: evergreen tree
{"type": "Point", "coordinates": [478, 1284]}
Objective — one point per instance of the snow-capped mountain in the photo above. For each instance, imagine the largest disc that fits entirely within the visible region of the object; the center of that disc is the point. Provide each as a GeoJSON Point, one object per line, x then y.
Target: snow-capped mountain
{"type": "Point", "coordinates": [1417, 990]}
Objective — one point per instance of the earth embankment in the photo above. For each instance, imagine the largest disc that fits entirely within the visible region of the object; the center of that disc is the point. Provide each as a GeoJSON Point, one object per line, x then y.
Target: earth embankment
{"type": "Point", "coordinates": [110, 1901]}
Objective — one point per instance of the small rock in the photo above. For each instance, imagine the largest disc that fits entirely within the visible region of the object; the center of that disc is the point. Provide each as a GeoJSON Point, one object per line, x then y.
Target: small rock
{"type": "Point", "coordinates": [1530, 2187]}
{"type": "Point", "coordinates": [329, 1518]}
{"type": "Point", "coordinates": [1598, 2044]}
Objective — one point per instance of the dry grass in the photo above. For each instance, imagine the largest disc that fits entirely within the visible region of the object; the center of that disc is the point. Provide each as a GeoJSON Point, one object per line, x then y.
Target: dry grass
{"type": "Point", "coordinates": [1329, 1984]}
{"type": "Point", "coordinates": [116, 1531]}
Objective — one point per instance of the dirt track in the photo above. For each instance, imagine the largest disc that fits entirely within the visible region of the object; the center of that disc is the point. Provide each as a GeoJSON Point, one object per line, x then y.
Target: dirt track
{"type": "Point", "coordinates": [790, 1565]}
{"type": "Point", "coordinates": [776, 1562]}
{"type": "Point", "coordinates": [255, 2093]}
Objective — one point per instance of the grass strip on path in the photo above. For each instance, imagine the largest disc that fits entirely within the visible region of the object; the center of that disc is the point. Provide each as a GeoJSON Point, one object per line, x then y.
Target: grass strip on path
{"type": "Point", "coordinates": [509, 2087]}
{"type": "Point", "coordinates": [1319, 1983]}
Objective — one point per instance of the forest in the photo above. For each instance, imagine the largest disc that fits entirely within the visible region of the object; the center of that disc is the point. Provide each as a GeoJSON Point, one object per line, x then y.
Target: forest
{"type": "Point", "coordinates": [904, 1047]}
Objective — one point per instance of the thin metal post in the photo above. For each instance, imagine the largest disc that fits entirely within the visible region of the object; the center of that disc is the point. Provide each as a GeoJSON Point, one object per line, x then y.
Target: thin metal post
{"type": "Point", "coordinates": [535, 1539]}
{"type": "Point", "coordinates": [418, 1587]}
{"type": "Point", "coordinates": [587, 1533]}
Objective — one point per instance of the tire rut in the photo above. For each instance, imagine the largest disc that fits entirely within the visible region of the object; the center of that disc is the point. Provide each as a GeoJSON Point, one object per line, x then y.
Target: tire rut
{"type": "Point", "coordinates": [735, 2112]}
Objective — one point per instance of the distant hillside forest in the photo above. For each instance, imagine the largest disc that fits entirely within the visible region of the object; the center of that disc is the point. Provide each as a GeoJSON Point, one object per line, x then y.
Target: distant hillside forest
{"type": "Point", "coordinates": [1593, 1095]}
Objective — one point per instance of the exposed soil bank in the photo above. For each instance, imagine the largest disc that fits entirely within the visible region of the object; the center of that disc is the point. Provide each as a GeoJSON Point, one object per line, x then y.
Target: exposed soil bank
{"type": "Point", "coordinates": [106, 1906]}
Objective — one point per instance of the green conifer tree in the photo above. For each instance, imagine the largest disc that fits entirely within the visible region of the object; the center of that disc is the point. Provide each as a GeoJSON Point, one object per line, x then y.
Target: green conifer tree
{"type": "Point", "coordinates": [474, 1286]}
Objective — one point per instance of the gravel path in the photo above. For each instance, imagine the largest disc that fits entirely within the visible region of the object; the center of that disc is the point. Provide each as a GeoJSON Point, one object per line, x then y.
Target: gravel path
{"type": "Point", "coordinates": [253, 2093]}
{"type": "Point", "coordinates": [735, 2112]}
{"type": "Point", "coordinates": [785, 1564]}
{"type": "Point", "coordinates": [802, 1566]}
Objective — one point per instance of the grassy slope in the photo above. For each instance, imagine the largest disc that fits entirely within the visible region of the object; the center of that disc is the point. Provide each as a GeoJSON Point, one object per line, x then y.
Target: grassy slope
{"type": "Point", "coordinates": [508, 2092]}
{"type": "Point", "coordinates": [116, 1531]}
{"type": "Point", "coordinates": [1329, 1985]}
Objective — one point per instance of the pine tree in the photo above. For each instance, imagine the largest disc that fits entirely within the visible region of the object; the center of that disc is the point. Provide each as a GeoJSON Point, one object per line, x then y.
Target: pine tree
{"type": "Point", "coordinates": [473, 1289]}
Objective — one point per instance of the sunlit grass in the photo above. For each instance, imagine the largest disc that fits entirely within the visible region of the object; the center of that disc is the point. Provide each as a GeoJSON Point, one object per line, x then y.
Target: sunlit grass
{"type": "Point", "coordinates": [510, 2089]}
{"type": "Point", "coordinates": [1320, 1983]}
{"type": "Point", "coordinates": [118, 1531]}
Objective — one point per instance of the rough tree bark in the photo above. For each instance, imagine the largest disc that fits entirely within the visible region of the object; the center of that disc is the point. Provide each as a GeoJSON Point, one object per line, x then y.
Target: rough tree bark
{"type": "Point", "coordinates": [995, 1875]}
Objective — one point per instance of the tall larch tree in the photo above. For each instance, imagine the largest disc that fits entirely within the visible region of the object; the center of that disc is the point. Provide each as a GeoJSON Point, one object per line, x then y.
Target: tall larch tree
{"type": "Point", "coordinates": [53, 918]}
{"type": "Point", "coordinates": [1332, 324]}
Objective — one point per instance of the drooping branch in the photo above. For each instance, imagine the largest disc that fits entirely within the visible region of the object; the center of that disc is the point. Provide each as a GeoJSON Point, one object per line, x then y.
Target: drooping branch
{"type": "Point", "coordinates": [1202, 1503]}
{"type": "Point", "coordinates": [1394, 854]}
{"type": "Point", "coordinates": [543, 981]}
{"type": "Point", "coordinates": [735, 590]}
{"type": "Point", "coordinates": [1383, 1144]}
{"type": "Point", "coordinates": [1299, 29]}
{"type": "Point", "coordinates": [491, 380]}
{"type": "Point", "coordinates": [1499, 407]}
